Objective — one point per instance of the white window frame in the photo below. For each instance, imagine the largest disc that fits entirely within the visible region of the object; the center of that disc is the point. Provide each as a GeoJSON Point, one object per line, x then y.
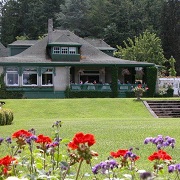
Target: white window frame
{"type": "Point", "coordinates": [12, 72]}
{"type": "Point", "coordinates": [29, 72]}
{"type": "Point", "coordinates": [72, 50]}
{"type": "Point", "coordinates": [64, 50]}
{"type": "Point", "coordinates": [47, 72]}
{"type": "Point", "coordinates": [56, 50]}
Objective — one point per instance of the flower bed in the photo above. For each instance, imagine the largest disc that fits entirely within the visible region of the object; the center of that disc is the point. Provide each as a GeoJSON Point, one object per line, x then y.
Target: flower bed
{"type": "Point", "coordinates": [31, 156]}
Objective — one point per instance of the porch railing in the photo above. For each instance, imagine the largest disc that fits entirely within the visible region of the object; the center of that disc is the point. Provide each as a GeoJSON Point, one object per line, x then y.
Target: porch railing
{"type": "Point", "coordinates": [102, 87]}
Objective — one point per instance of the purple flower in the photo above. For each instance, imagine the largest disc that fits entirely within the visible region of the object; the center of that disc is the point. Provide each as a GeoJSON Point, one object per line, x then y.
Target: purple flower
{"type": "Point", "coordinates": [171, 168]}
{"type": "Point", "coordinates": [8, 140]}
{"type": "Point", "coordinates": [103, 166]}
{"type": "Point", "coordinates": [177, 167]}
{"type": "Point", "coordinates": [30, 139]}
{"type": "Point", "coordinates": [33, 138]}
{"type": "Point", "coordinates": [1, 140]}
{"type": "Point", "coordinates": [147, 140]}
{"type": "Point", "coordinates": [96, 168]}
{"type": "Point", "coordinates": [161, 142]}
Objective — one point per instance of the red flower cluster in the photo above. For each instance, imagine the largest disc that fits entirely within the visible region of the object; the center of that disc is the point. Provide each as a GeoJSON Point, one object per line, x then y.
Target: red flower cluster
{"type": "Point", "coordinates": [43, 139]}
{"type": "Point", "coordinates": [81, 138]}
{"type": "Point", "coordinates": [6, 162]}
{"type": "Point", "coordinates": [120, 152]}
{"type": "Point", "coordinates": [160, 155]}
{"type": "Point", "coordinates": [21, 133]}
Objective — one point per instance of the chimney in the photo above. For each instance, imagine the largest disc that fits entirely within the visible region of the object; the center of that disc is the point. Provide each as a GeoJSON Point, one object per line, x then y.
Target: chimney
{"type": "Point", "coordinates": [50, 30]}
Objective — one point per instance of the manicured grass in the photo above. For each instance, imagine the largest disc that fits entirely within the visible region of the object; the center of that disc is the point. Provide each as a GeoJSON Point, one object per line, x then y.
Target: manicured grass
{"type": "Point", "coordinates": [116, 124]}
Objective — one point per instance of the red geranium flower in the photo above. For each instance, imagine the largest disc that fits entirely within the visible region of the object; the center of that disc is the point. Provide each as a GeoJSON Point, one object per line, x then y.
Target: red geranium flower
{"type": "Point", "coordinates": [21, 133]}
{"type": "Point", "coordinates": [43, 139]}
{"type": "Point", "coordinates": [5, 171]}
{"type": "Point", "coordinates": [160, 155]}
{"type": "Point", "coordinates": [81, 138]}
{"type": "Point", "coordinates": [120, 152]}
{"type": "Point", "coordinates": [7, 160]}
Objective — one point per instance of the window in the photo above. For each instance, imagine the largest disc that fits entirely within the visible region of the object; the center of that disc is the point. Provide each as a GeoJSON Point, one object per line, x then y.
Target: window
{"type": "Point", "coordinates": [29, 77]}
{"type": "Point", "coordinates": [47, 77]}
{"type": "Point", "coordinates": [72, 50]}
{"type": "Point", "coordinates": [12, 78]}
{"type": "Point", "coordinates": [56, 50]}
{"type": "Point", "coordinates": [64, 50]}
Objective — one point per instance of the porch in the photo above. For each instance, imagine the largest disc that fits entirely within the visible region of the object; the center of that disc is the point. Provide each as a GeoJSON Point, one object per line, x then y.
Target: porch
{"type": "Point", "coordinates": [101, 87]}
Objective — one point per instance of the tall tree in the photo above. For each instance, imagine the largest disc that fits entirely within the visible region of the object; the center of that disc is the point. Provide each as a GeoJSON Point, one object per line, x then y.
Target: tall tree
{"type": "Point", "coordinates": [27, 18]}
{"type": "Point", "coordinates": [98, 17]}
{"type": "Point", "coordinates": [132, 17]}
{"type": "Point", "coordinates": [147, 48]}
{"type": "Point", "coordinates": [73, 16]}
{"type": "Point", "coordinates": [10, 21]}
{"type": "Point", "coordinates": [170, 32]}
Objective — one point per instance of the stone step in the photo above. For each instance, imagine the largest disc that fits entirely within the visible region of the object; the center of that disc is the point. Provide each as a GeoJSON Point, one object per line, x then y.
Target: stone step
{"type": "Point", "coordinates": [165, 106]}
{"type": "Point", "coordinates": [164, 109]}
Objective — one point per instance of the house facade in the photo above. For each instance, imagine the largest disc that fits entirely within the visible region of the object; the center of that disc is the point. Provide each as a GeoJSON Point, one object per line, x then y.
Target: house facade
{"type": "Point", "coordinates": [45, 68]}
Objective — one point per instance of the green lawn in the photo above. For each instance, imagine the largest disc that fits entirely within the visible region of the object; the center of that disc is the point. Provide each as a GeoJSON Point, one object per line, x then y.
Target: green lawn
{"type": "Point", "coordinates": [116, 123]}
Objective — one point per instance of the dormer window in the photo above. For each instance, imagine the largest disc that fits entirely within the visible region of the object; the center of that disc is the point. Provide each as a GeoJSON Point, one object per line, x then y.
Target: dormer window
{"type": "Point", "coordinates": [72, 50]}
{"type": "Point", "coordinates": [56, 50]}
{"type": "Point", "coordinates": [64, 50]}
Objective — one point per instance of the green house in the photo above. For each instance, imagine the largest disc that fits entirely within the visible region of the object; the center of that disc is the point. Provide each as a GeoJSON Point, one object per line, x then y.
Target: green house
{"type": "Point", "coordinates": [62, 59]}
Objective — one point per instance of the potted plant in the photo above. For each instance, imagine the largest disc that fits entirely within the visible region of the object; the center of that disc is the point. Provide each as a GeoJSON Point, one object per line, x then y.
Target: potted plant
{"type": "Point", "coordinates": [139, 90]}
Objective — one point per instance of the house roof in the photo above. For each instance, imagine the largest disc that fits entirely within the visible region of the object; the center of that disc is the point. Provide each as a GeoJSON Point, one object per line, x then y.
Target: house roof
{"type": "Point", "coordinates": [3, 50]}
{"type": "Point", "coordinates": [99, 43]}
{"type": "Point", "coordinates": [90, 55]}
{"type": "Point", "coordinates": [23, 43]}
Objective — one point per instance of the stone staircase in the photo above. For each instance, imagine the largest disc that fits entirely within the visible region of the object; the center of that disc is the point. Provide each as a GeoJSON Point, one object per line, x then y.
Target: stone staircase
{"type": "Point", "coordinates": [164, 108]}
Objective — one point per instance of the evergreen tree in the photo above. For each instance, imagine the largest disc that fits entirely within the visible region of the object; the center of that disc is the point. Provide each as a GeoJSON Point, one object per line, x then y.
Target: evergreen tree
{"type": "Point", "coordinates": [170, 32]}
{"type": "Point", "coordinates": [73, 16]}
{"type": "Point", "coordinates": [10, 22]}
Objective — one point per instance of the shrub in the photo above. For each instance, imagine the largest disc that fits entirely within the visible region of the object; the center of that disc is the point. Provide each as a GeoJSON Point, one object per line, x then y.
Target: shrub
{"type": "Point", "coordinates": [2, 118]}
{"type": "Point", "coordinates": [9, 116]}
{"type": "Point", "coordinates": [6, 117]}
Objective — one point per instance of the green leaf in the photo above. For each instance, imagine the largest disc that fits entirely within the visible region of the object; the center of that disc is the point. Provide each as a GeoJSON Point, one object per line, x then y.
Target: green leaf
{"type": "Point", "coordinates": [58, 157]}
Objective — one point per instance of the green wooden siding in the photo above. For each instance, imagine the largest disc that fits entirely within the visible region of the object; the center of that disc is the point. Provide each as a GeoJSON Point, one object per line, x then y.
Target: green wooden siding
{"type": "Point", "coordinates": [65, 57]}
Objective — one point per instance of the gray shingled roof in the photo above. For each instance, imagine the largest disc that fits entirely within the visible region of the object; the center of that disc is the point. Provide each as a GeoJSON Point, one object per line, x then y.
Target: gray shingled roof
{"type": "Point", "coordinates": [89, 54]}
{"type": "Point", "coordinates": [99, 43]}
{"type": "Point", "coordinates": [3, 50]}
{"type": "Point", "coordinates": [23, 43]}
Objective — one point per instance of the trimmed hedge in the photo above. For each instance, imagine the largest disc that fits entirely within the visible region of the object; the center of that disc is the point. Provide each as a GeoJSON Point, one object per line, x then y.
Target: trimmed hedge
{"type": "Point", "coordinates": [151, 80]}
{"type": "Point", "coordinates": [87, 94]}
{"type": "Point", "coordinates": [6, 117]}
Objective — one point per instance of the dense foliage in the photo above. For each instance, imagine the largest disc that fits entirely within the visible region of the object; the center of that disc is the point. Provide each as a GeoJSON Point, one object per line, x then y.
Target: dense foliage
{"type": "Point", "coordinates": [146, 47]}
{"type": "Point", "coordinates": [113, 20]}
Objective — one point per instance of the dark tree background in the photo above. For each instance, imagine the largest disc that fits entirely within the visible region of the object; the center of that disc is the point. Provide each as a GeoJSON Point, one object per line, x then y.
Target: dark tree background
{"type": "Point", "coordinates": [112, 20]}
